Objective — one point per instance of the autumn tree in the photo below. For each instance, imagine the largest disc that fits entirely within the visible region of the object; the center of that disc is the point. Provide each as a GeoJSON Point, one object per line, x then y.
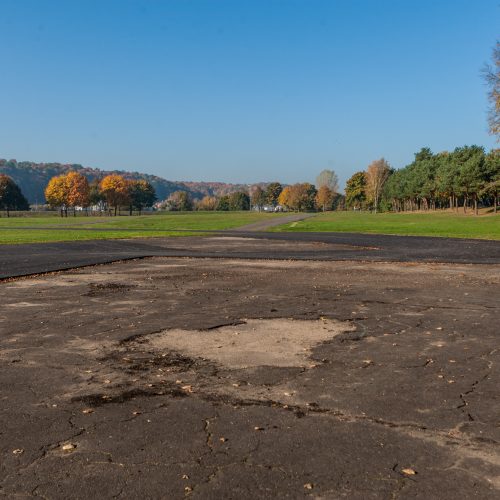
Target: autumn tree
{"type": "Point", "coordinates": [56, 194]}
{"type": "Point", "coordinates": [355, 190]}
{"type": "Point", "coordinates": [284, 198]}
{"type": "Point", "coordinates": [329, 179]}
{"type": "Point", "coordinates": [78, 191]}
{"type": "Point", "coordinates": [324, 197]}
{"type": "Point", "coordinates": [492, 77]}
{"type": "Point", "coordinates": [141, 194]}
{"type": "Point", "coordinates": [258, 198]}
{"type": "Point", "coordinates": [300, 196]}
{"type": "Point", "coordinates": [180, 201]}
{"type": "Point", "coordinates": [377, 174]}
{"type": "Point", "coordinates": [207, 203]}
{"type": "Point", "coordinates": [11, 197]}
{"type": "Point", "coordinates": [307, 196]}
{"type": "Point", "coordinates": [115, 190]}
{"type": "Point", "coordinates": [273, 191]}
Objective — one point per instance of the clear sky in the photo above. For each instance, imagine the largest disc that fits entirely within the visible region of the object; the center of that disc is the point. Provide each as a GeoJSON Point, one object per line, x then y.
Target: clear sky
{"type": "Point", "coordinates": [242, 91]}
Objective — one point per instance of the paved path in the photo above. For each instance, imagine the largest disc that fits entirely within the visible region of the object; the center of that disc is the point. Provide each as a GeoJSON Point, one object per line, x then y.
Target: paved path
{"type": "Point", "coordinates": [266, 224]}
{"type": "Point", "coordinates": [20, 260]}
{"type": "Point", "coordinates": [262, 225]}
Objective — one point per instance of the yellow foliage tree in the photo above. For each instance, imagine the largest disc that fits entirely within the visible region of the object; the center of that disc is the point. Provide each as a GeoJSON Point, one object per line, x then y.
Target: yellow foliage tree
{"type": "Point", "coordinates": [115, 190]}
{"type": "Point", "coordinates": [67, 190]}
{"type": "Point", "coordinates": [207, 203]}
{"type": "Point", "coordinates": [376, 175]}
{"type": "Point", "coordinates": [56, 193]}
{"type": "Point", "coordinates": [285, 197]}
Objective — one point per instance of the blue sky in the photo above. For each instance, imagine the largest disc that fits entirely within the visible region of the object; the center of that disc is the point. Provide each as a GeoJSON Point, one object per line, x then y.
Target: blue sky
{"type": "Point", "coordinates": [242, 91]}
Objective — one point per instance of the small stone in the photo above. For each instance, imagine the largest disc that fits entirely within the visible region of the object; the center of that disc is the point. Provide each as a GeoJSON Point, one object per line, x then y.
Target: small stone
{"type": "Point", "coordinates": [18, 451]}
{"type": "Point", "coordinates": [68, 447]}
{"type": "Point", "coordinates": [86, 411]}
{"type": "Point", "coordinates": [258, 428]}
{"type": "Point", "coordinates": [308, 486]}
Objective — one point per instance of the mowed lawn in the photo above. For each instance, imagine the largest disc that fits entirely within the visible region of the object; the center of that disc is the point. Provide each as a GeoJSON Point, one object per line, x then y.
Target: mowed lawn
{"type": "Point", "coordinates": [51, 228]}
{"type": "Point", "coordinates": [440, 223]}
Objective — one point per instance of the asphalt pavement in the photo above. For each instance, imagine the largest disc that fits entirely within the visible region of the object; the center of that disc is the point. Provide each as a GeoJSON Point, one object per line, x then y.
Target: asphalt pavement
{"type": "Point", "coordinates": [27, 259]}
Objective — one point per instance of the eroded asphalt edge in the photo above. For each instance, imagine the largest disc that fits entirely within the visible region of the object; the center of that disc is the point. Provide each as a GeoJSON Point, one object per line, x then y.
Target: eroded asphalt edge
{"type": "Point", "coordinates": [38, 258]}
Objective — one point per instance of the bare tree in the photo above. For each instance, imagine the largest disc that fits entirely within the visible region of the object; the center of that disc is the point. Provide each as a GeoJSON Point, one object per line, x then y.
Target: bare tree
{"type": "Point", "coordinates": [377, 174]}
{"type": "Point", "coordinates": [329, 179]}
{"type": "Point", "coordinates": [492, 77]}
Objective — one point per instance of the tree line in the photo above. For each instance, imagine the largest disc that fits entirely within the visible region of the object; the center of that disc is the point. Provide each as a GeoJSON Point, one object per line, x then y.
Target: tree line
{"type": "Point", "coordinates": [72, 190]}
{"type": "Point", "coordinates": [465, 177]}
{"type": "Point", "coordinates": [297, 197]}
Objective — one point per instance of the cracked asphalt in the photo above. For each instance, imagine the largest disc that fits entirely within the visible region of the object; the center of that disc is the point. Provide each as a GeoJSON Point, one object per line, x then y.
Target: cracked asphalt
{"type": "Point", "coordinates": [140, 379]}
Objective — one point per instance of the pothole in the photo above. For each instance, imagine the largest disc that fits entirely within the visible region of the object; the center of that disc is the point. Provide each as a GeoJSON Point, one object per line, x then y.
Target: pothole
{"type": "Point", "coordinates": [257, 342]}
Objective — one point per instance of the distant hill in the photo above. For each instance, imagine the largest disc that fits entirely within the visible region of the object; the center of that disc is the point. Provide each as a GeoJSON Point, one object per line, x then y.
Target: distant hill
{"type": "Point", "coordinates": [33, 177]}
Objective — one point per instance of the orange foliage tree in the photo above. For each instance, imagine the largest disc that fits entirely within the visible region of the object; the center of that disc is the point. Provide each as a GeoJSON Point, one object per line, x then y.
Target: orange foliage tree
{"type": "Point", "coordinates": [298, 196]}
{"type": "Point", "coordinates": [324, 197]}
{"type": "Point", "coordinates": [115, 190]}
{"type": "Point", "coordinates": [78, 190]}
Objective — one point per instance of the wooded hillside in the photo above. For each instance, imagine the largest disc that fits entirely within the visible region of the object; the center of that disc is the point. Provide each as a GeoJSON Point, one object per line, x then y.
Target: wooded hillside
{"type": "Point", "coordinates": [32, 178]}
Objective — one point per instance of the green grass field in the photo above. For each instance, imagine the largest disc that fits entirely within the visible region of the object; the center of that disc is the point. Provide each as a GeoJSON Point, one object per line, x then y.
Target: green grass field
{"type": "Point", "coordinates": [444, 224]}
{"type": "Point", "coordinates": [51, 228]}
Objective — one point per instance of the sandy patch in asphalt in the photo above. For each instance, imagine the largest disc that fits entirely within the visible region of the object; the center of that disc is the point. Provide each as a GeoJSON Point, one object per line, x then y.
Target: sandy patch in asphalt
{"type": "Point", "coordinates": [256, 342]}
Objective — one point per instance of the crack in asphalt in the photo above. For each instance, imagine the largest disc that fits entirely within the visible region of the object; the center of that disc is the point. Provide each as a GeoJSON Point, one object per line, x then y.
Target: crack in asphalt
{"type": "Point", "coordinates": [463, 395]}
